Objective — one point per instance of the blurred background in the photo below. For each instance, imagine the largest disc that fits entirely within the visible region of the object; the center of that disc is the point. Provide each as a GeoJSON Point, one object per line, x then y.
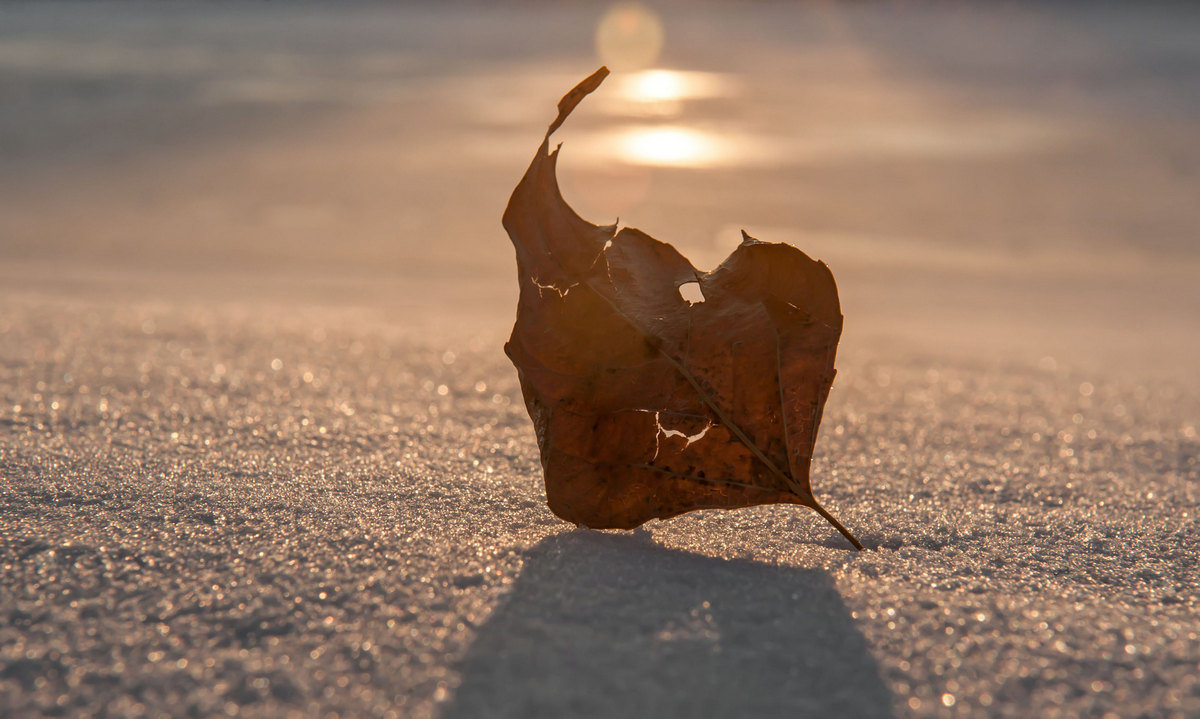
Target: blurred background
{"type": "Point", "coordinates": [1012, 178]}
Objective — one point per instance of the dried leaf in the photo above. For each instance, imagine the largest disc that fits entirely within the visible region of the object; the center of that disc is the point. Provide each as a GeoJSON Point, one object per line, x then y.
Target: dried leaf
{"type": "Point", "coordinates": [648, 405]}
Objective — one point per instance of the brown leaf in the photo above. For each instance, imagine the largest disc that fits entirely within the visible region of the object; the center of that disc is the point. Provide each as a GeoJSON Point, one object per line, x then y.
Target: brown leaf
{"type": "Point", "coordinates": [647, 405]}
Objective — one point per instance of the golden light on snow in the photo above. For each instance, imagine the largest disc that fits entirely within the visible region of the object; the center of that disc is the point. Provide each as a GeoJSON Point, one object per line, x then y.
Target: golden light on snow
{"type": "Point", "coordinates": [629, 37]}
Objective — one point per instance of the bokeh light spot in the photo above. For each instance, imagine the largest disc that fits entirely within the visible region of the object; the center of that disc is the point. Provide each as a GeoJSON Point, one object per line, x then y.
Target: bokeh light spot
{"type": "Point", "coordinates": [629, 37]}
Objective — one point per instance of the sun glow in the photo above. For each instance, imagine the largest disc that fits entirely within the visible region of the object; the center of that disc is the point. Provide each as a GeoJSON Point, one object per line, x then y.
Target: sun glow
{"type": "Point", "coordinates": [669, 88]}
{"type": "Point", "coordinates": [657, 86]}
{"type": "Point", "coordinates": [668, 146]}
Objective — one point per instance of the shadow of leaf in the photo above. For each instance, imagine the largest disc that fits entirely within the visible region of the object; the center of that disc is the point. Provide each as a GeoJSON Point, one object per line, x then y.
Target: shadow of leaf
{"type": "Point", "coordinates": [602, 625]}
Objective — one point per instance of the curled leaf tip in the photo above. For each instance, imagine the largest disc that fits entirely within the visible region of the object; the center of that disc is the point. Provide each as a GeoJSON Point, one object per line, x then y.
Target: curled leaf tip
{"type": "Point", "coordinates": [575, 96]}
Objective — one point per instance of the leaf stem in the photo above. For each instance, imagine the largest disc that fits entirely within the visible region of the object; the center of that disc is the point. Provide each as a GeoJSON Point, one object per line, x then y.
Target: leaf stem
{"type": "Point", "coordinates": [832, 520]}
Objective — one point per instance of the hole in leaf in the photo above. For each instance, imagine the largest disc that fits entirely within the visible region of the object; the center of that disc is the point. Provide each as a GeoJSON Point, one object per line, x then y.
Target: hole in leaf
{"type": "Point", "coordinates": [690, 438]}
{"type": "Point", "coordinates": [560, 291]}
{"type": "Point", "coordinates": [690, 291]}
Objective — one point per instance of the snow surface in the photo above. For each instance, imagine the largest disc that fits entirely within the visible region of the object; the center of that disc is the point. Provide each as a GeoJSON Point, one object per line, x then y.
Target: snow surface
{"type": "Point", "coordinates": [362, 530]}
